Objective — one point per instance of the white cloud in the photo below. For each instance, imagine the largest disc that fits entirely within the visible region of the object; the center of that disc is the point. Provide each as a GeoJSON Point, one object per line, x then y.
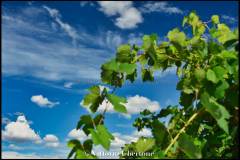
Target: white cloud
{"type": "Point", "coordinates": [51, 140]}
{"type": "Point", "coordinates": [20, 131]}
{"type": "Point", "coordinates": [68, 84]}
{"type": "Point", "coordinates": [128, 16]}
{"type": "Point", "coordinates": [77, 134]}
{"type": "Point", "coordinates": [43, 101]}
{"type": "Point", "coordinates": [54, 13]}
{"type": "Point", "coordinates": [229, 19]}
{"type": "Point", "coordinates": [17, 155]}
{"type": "Point", "coordinates": [85, 3]}
{"type": "Point", "coordinates": [162, 7]}
{"type": "Point", "coordinates": [134, 105]}
{"type": "Point", "coordinates": [50, 56]}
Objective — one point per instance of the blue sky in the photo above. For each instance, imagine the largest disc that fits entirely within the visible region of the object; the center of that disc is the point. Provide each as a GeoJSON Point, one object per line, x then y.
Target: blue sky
{"type": "Point", "coordinates": [52, 52]}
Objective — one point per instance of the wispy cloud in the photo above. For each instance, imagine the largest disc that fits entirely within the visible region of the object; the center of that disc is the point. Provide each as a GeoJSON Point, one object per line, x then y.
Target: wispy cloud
{"type": "Point", "coordinates": [65, 26]}
{"type": "Point", "coordinates": [161, 7]}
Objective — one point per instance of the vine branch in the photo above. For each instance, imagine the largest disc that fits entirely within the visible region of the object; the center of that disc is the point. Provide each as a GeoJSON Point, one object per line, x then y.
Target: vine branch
{"type": "Point", "coordinates": [182, 130]}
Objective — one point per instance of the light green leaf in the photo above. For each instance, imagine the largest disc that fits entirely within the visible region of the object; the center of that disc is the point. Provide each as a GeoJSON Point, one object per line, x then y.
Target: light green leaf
{"type": "Point", "coordinates": [101, 136]}
{"type": "Point", "coordinates": [176, 36]}
{"type": "Point", "coordinates": [144, 144]}
{"type": "Point", "coordinates": [124, 53]}
{"type": "Point", "coordinates": [187, 145]}
{"type": "Point", "coordinates": [215, 19]}
{"type": "Point", "coordinates": [127, 68]}
{"type": "Point", "coordinates": [117, 103]}
{"type": "Point", "coordinates": [220, 72]}
{"type": "Point", "coordinates": [211, 76]}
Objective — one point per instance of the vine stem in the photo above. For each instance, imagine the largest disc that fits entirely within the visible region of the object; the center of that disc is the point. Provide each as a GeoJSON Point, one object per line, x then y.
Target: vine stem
{"type": "Point", "coordinates": [182, 130]}
{"type": "Point", "coordinates": [105, 110]}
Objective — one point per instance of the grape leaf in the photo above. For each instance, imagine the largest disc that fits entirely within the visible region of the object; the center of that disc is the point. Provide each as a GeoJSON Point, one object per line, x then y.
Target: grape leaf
{"type": "Point", "coordinates": [219, 113]}
{"type": "Point", "coordinates": [186, 144]}
{"type": "Point", "coordinates": [144, 144]}
{"type": "Point", "coordinates": [117, 103]}
{"type": "Point", "coordinates": [101, 136]}
{"type": "Point", "coordinates": [211, 76]}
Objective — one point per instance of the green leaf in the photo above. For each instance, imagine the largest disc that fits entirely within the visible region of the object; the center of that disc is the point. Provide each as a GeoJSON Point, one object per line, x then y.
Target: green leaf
{"type": "Point", "coordinates": [147, 75]}
{"type": "Point", "coordinates": [124, 53]}
{"type": "Point", "coordinates": [215, 19]}
{"type": "Point", "coordinates": [186, 99]}
{"type": "Point", "coordinates": [160, 133]}
{"type": "Point", "coordinates": [169, 110]}
{"type": "Point", "coordinates": [220, 90]}
{"type": "Point", "coordinates": [117, 103]}
{"type": "Point", "coordinates": [144, 144]}
{"type": "Point", "coordinates": [220, 72]}
{"type": "Point", "coordinates": [199, 74]}
{"type": "Point", "coordinates": [84, 119]}
{"type": "Point", "coordinates": [187, 145]}
{"type": "Point", "coordinates": [219, 113]}
{"type": "Point", "coordinates": [229, 54]}
{"type": "Point", "coordinates": [101, 136]}
{"type": "Point", "coordinates": [93, 99]}
{"type": "Point", "coordinates": [74, 143]}
{"type": "Point", "coordinates": [127, 68]}
{"type": "Point", "coordinates": [131, 77]}
{"type": "Point", "coordinates": [87, 145]}
{"type": "Point", "coordinates": [111, 65]}
{"type": "Point", "coordinates": [211, 76]}
{"type": "Point", "coordinates": [176, 36]}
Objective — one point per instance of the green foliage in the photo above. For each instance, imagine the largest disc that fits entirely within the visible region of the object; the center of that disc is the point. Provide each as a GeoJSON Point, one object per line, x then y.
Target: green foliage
{"type": "Point", "coordinates": [117, 102]}
{"type": "Point", "coordinates": [204, 124]}
{"type": "Point", "coordinates": [186, 144]}
{"type": "Point", "coordinates": [101, 136]}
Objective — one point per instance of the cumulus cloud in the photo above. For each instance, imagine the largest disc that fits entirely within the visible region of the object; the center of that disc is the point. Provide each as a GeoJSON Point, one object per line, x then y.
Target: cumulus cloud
{"type": "Point", "coordinates": [77, 134]}
{"type": "Point", "coordinates": [127, 15]}
{"type": "Point", "coordinates": [51, 140]}
{"type": "Point", "coordinates": [162, 7]}
{"type": "Point", "coordinates": [134, 105]}
{"type": "Point", "coordinates": [20, 131]}
{"type": "Point", "coordinates": [43, 101]}
{"type": "Point", "coordinates": [5, 120]}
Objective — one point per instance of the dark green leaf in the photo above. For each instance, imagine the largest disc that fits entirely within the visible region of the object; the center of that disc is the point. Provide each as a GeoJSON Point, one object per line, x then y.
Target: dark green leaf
{"type": "Point", "coordinates": [187, 145]}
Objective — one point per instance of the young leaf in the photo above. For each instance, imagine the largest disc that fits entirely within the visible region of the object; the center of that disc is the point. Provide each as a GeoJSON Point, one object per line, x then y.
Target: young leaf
{"type": "Point", "coordinates": [124, 53]}
{"type": "Point", "coordinates": [215, 19]}
{"type": "Point", "coordinates": [176, 36]}
{"type": "Point", "coordinates": [144, 144]}
{"type": "Point", "coordinates": [211, 76]}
